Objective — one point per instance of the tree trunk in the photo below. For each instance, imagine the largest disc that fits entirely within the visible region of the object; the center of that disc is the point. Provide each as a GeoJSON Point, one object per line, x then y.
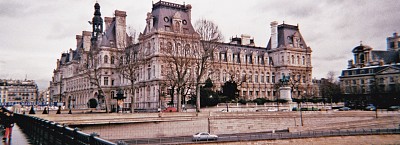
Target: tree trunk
{"type": "Point", "coordinates": [133, 97]}
{"type": "Point", "coordinates": [198, 98]}
{"type": "Point", "coordinates": [179, 104]}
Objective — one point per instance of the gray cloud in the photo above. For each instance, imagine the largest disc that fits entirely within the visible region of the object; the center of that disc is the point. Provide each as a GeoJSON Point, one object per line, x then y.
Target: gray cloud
{"type": "Point", "coordinates": [41, 30]}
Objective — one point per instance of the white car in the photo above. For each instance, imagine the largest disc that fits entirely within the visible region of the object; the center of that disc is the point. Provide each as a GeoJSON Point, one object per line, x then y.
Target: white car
{"type": "Point", "coordinates": [204, 136]}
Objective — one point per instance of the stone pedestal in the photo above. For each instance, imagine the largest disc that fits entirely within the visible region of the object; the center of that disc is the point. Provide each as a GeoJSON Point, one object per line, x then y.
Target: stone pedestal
{"type": "Point", "coordinates": [285, 93]}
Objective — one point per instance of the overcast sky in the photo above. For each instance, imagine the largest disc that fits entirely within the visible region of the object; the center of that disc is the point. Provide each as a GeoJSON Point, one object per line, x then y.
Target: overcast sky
{"type": "Point", "coordinates": [33, 34]}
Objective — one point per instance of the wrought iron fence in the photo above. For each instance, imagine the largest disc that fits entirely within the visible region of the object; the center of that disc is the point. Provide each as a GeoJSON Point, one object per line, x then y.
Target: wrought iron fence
{"type": "Point", "coordinates": [46, 132]}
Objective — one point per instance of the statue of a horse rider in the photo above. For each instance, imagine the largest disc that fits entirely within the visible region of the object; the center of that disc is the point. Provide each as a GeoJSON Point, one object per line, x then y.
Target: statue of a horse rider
{"type": "Point", "coordinates": [285, 80]}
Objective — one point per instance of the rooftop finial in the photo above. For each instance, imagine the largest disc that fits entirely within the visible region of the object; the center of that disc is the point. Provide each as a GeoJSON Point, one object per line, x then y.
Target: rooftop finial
{"type": "Point", "coordinates": [361, 43]}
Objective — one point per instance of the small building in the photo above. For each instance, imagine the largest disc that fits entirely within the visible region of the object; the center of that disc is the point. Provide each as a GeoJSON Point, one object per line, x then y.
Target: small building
{"type": "Point", "coordinates": [18, 92]}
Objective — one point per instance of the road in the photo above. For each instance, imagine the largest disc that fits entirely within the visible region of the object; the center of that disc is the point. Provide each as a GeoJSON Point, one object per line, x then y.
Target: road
{"type": "Point", "coordinates": [283, 134]}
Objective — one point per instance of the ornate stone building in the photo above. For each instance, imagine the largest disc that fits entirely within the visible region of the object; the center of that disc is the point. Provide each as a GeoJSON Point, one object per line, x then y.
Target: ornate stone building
{"type": "Point", "coordinates": [73, 82]}
{"type": "Point", "coordinates": [169, 30]}
{"type": "Point", "coordinates": [374, 74]}
{"type": "Point", "coordinates": [18, 92]}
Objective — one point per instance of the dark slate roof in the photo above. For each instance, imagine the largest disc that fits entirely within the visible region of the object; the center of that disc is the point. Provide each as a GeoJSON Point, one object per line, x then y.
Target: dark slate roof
{"type": "Point", "coordinates": [387, 56]}
{"type": "Point", "coordinates": [235, 48]}
{"type": "Point", "coordinates": [361, 48]}
{"type": "Point", "coordinates": [109, 35]}
{"type": "Point", "coordinates": [76, 55]}
{"type": "Point", "coordinates": [286, 32]}
{"type": "Point", "coordinates": [64, 58]}
{"type": "Point", "coordinates": [163, 9]}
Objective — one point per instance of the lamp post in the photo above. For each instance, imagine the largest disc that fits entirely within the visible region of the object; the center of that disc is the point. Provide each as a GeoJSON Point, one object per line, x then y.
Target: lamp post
{"type": "Point", "coordinates": [301, 112]}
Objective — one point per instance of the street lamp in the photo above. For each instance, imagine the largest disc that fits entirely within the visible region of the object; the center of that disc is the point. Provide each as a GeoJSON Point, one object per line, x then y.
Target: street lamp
{"type": "Point", "coordinates": [301, 112]}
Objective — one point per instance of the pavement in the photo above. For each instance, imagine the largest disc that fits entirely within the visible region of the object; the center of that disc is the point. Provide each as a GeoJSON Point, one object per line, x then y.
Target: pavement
{"type": "Point", "coordinates": [17, 137]}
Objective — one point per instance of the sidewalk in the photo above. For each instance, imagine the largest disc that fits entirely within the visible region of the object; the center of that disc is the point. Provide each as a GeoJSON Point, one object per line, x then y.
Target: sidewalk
{"type": "Point", "coordinates": [17, 137]}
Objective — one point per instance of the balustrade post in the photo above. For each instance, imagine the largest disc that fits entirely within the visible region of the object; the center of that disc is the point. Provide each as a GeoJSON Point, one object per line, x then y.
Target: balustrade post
{"type": "Point", "coordinates": [75, 140]}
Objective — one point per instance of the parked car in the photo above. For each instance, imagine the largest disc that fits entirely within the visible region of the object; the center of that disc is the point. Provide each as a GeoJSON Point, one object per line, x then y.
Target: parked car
{"type": "Point", "coordinates": [370, 107]}
{"type": "Point", "coordinates": [344, 109]}
{"type": "Point", "coordinates": [204, 136]}
{"type": "Point", "coordinates": [170, 109]}
{"type": "Point", "coordinates": [394, 108]}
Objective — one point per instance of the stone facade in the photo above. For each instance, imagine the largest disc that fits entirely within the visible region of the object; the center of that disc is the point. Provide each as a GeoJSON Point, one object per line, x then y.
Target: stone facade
{"type": "Point", "coordinates": [374, 73]}
{"type": "Point", "coordinates": [169, 29]}
{"type": "Point", "coordinates": [18, 91]}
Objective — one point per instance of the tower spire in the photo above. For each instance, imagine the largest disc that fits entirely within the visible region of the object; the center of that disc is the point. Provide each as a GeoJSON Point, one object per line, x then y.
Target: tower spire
{"type": "Point", "coordinates": [97, 22]}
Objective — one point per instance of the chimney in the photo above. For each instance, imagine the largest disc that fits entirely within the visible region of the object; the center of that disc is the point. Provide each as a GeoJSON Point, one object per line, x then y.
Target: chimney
{"type": "Point", "coordinates": [58, 63]}
{"type": "Point", "coordinates": [108, 21]}
{"type": "Point", "coordinates": [87, 35]}
{"type": "Point", "coordinates": [120, 29]}
{"type": "Point", "coordinates": [78, 41]}
{"type": "Point", "coordinates": [189, 11]}
{"type": "Point", "coordinates": [274, 34]}
{"type": "Point", "coordinates": [350, 63]}
{"type": "Point", "coordinates": [71, 54]}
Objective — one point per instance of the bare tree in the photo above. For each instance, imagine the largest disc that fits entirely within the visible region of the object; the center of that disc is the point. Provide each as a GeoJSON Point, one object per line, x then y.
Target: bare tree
{"type": "Point", "coordinates": [179, 61]}
{"type": "Point", "coordinates": [91, 69]}
{"type": "Point", "coordinates": [330, 87]}
{"type": "Point", "coordinates": [129, 64]}
{"type": "Point", "coordinates": [210, 37]}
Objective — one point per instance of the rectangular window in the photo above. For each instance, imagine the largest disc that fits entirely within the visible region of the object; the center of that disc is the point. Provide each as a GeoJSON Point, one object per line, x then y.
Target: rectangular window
{"type": "Point", "coordinates": [391, 44]}
{"type": "Point", "coordinates": [273, 78]}
{"type": "Point", "coordinates": [112, 82]}
{"type": "Point", "coordinates": [256, 78]}
{"type": "Point", "coordinates": [148, 73]}
{"type": "Point", "coordinates": [106, 81]}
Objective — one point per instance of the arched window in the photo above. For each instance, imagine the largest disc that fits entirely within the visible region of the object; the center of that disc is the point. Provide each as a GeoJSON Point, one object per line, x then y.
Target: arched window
{"type": "Point", "coordinates": [298, 59]}
{"type": "Point", "coordinates": [112, 94]}
{"type": "Point", "coordinates": [224, 76]}
{"type": "Point", "coordinates": [267, 77]}
{"type": "Point", "coordinates": [292, 59]}
{"type": "Point", "coordinates": [243, 76]}
{"type": "Point", "coordinates": [304, 60]}
{"type": "Point", "coordinates": [112, 59]}
{"type": "Point", "coordinates": [256, 77]}
{"type": "Point", "coordinates": [187, 49]}
{"type": "Point", "coordinates": [105, 58]}
{"type": "Point", "coordinates": [250, 77]}
{"type": "Point", "coordinates": [121, 60]}
{"type": "Point", "coordinates": [262, 77]}
{"type": "Point", "coordinates": [273, 77]}
{"type": "Point", "coordinates": [169, 46]}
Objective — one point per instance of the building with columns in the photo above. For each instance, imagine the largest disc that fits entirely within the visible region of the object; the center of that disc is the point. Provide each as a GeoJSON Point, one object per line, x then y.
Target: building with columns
{"type": "Point", "coordinates": [169, 29]}
{"type": "Point", "coordinates": [373, 75]}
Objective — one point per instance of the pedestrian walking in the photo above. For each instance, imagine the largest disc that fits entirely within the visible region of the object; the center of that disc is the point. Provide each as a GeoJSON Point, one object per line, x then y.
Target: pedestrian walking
{"type": "Point", "coordinates": [2, 116]}
{"type": "Point", "coordinates": [8, 124]}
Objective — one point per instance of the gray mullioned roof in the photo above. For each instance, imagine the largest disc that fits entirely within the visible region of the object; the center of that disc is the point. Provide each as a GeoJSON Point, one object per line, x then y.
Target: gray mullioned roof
{"type": "Point", "coordinates": [387, 56]}
{"type": "Point", "coordinates": [167, 10]}
{"type": "Point", "coordinates": [286, 32]}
